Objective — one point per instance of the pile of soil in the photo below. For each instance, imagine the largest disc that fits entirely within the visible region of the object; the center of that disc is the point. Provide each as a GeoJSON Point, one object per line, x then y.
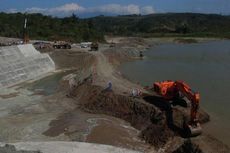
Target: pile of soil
{"type": "Point", "coordinates": [121, 54]}
{"type": "Point", "coordinates": [188, 147]}
{"type": "Point", "coordinates": [143, 116]}
{"type": "Point", "coordinates": [125, 50]}
{"type": "Point", "coordinates": [151, 118]}
{"type": "Point", "coordinates": [156, 134]}
{"type": "Point", "coordinates": [72, 59]}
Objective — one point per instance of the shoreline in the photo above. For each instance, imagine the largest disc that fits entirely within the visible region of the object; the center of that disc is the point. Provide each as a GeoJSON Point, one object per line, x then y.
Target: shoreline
{"type": "Point", "coordinates": [113, 58]}
{"type": "Point", "coordinates": [89, 101]}
{"type": "Point", "coordinates": [171, 40]}
{"type": "Point", "coordinates": [116, 62]}
{"type": "Point", "coordinates": [218, 121]}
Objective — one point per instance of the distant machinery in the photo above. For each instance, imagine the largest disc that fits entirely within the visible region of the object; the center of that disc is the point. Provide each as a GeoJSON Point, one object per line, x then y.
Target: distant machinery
{"type": "Point", "coordinates": [61, 45]}
{"type": "Point", "coordinates": [94, 46]}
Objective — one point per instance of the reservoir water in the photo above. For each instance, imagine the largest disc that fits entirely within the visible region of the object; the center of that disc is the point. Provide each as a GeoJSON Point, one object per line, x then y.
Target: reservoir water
{"type": "Point", "coordinates": [204, 66]}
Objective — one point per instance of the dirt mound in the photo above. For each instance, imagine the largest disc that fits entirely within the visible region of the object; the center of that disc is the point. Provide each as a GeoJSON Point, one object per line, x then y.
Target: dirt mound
{"type": "Point", "coordinates": [126, 49]}
{"type": "Point", "coordinates": [137, 112]}
{"type": "Point", "coordinates": [188, 147]}
{"type": "Point", "coordinates": [156, 135]}
{"type": "Point", "coordinates": [141, 115]}
{"type": "Point", "coordinates": [151, 115]}
{"type": "Point", "coordinates": [119, 54]}
{"type": "Point", "coordinates": [72, 59]}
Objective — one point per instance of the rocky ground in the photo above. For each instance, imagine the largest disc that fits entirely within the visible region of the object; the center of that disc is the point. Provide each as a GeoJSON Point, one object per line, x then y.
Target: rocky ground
{"type": "Point", "coordinates": [81, 107]}
{"type": "Point", "coordinates": [60, 147]}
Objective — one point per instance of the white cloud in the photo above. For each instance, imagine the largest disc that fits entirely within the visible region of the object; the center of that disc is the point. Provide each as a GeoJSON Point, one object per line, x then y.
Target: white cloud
{"type": "Point", "coordinates": [116, 9]}
{"type": "Point", "coordinates": [64, 9]}
{"type": "Point", "coordinates": [72, 7]}
{"type": "Point", "coordinates": [35, 10]}
{"type": "Point", "coordinates": [147, 10]}
{"type": "Point", "coordinates": [133, 9]}
{"type": "Point", "coordinates": [12, 10]}
{"type": "Point", "coordinates": [69, 8]}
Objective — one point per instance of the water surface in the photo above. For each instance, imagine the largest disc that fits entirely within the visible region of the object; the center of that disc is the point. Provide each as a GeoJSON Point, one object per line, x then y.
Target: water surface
{"type": "Point", "coordinates": [49, 84]}
{"type": "Point", "coordinates": [204, 66]}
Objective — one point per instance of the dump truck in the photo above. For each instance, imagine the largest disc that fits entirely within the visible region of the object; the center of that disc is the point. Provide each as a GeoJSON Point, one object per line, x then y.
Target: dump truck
{"type": "Point", "coordinates": [61, 45]}
{"type": "Point", "coordinates": [94, 46]}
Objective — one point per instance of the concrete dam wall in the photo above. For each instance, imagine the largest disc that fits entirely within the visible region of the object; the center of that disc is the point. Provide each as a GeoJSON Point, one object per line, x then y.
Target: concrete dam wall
{"type": "Point", "coordinates": [21, 63]}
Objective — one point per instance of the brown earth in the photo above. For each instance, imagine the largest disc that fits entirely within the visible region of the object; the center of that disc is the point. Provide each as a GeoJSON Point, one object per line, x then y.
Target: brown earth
{"type": "Point", "coordinates": [150, 118]}
{"type": "Point", "coordinates": [75, 59]}
{"type": "Point", "coordinates": [9, 95]}
{"type": "Point", "coordinates": [90, 112]}
{"type": "Point", "coordinates": [148, 114]}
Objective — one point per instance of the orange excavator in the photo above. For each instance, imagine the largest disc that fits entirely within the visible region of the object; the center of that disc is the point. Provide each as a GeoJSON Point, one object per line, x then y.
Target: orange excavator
{"type": "Point", "coordinates": [171, 90]}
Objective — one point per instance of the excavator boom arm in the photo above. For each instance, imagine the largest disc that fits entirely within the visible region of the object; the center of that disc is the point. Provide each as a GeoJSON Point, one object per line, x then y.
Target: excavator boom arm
{"type": "Point", "coordinates": [171, 90]}
{"type": "Point", "coordinates": [192, 96]}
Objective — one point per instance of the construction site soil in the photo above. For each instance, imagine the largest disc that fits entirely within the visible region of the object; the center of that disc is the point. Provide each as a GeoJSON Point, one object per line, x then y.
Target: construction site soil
{"type": "Point", "coordinates": [91, 111]}
{"type": "Point", "coordinates": [11, 149]}
{"type": "Point", "coordinates": [158, 123]}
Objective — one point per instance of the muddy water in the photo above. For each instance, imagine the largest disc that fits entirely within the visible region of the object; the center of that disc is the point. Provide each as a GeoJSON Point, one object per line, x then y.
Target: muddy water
{"type": "Point", "coordinates": [49, 84]}
{"type": "Point", "coordinates": [204, 66]}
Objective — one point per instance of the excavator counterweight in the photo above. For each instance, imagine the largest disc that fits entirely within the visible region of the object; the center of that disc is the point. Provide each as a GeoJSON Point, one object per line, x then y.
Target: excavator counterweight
{"type": "Point", "coordinates": [171, 90]}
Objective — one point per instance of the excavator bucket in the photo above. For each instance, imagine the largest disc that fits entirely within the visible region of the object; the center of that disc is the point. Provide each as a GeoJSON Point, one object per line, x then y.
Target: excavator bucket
{"type": "Point", "coordinates": [194, 130]}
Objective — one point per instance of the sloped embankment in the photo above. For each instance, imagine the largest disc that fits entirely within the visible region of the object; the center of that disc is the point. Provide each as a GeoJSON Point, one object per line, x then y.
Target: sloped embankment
{"type": "Point", "coordinates": [139, 114]}
{"type": "Point", "coordinates": [146, 117]}
{"type": "Point", "coordinates": [21, 63]}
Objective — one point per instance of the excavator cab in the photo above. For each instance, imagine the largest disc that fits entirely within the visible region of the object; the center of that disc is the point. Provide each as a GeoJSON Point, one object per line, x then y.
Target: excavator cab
{"type": "Point", "coordinates": [171, 90]}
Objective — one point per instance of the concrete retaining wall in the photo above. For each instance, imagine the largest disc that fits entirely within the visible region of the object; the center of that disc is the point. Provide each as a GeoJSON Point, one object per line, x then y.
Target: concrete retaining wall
{"type": "Point", "coordinates": [21, 63]}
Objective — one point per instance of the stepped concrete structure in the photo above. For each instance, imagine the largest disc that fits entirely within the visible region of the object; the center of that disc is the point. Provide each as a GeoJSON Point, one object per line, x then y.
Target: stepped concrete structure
{"type": "Point", "coordinates": [21, 63]}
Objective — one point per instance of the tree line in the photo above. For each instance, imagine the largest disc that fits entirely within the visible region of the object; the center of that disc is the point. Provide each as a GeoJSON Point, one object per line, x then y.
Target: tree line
{"type": "Point", "coordinates": [76, 29]}
{"type": "Point", "coordinates": [45, 27]}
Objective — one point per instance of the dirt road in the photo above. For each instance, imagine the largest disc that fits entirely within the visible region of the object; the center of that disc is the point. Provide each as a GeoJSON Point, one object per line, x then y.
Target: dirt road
{"type": "Point", "coordinates": [105, 73]}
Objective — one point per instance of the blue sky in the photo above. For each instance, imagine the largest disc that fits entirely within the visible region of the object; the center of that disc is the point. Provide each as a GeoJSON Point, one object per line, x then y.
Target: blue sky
{"type": "Point", "coordinates": [114, 7]}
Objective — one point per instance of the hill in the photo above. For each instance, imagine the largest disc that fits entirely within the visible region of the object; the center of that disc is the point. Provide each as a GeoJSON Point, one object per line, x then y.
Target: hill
{"type": "Point", "coordinates": [93, 29]}
{"type": "Point", "coordinates": [169, 24]}
{"type": "Point", "coordinates": [48, 28]}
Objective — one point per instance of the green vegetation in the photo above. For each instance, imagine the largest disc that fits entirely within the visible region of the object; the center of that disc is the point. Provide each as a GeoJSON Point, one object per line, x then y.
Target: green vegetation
{"type": "Point", "coordinates": [166, 25]}
{"type": "Point", "coordinates": [93, 29]}
{"type": "Point", "coordinates": [49, 28]}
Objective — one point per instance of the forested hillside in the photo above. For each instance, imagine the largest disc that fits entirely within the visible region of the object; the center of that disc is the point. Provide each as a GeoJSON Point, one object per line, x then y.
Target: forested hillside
{"type": "Point", "coordinates": [170, 24]}
{"type": "Point", "coordinates": [93, 29]}
{"type": "Point", "coordinates": [49, 28]}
